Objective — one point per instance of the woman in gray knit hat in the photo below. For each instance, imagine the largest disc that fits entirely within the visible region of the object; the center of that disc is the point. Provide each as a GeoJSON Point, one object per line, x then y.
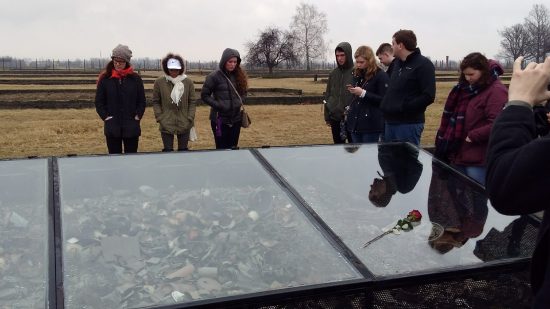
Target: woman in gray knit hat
{"type": "Point", "coordinates": [120, 102]}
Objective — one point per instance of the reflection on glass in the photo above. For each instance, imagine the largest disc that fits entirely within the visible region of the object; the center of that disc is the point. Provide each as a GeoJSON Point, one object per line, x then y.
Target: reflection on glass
{"type": "Point", "coordinates": [23, 233]}
{"type": "Point", "coordinates": [517, 240]}
{"type": "Point", "coordinates": [159, 229]}
{"type": "Point", "coordinates": [401, 171]}
{"type": "Point", "coordinates": [460, 209]}
{"type": "Point", "coordinates": [335, 182]}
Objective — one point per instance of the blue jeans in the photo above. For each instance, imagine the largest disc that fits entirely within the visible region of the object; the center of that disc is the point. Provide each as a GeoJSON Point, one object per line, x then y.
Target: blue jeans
{"type": "Point", "coordinates": [475, 172]}
{"type": "Point", "coordinates": [365, 137]}
{"type": "Point", "coordinates": [403, 132]}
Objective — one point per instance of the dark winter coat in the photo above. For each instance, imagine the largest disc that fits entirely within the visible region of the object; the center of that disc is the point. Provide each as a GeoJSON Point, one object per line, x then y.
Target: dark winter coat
{"type": "Point", "coordinates": [518, 166]}
{"type": "Point", "coordinates": [481, 112]}
{"type": "Point", "coordinates": [364, 114]}
{"type": "Point", "coordinates": [220, 95]}
{"type": "Point", "coordinates": [123, 99]}
{"type": "Point", "coordinates": [412, 89]}
{"type": "Point", "coordinates": [389, 70]}
{"type": "Point", "coordinates": [172, 118]}
{"type": "Point", "coordinates": [337, 96]}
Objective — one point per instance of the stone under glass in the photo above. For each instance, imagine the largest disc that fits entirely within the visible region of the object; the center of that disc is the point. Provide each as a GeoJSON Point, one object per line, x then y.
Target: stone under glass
{"type": "Point", "coordinates": [24, 233]}
{"type": "Point", "coordinates": [361, 191]}
{"type": "Point", "coordinates": [158, 229]}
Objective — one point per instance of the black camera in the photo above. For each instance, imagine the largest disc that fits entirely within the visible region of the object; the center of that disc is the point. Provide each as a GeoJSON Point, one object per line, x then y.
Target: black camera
{"type": "Point", "coordinates": [540, 112]}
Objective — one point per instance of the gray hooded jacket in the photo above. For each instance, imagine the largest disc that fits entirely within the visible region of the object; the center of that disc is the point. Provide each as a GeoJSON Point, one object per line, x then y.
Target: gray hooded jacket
{"type": "Point", "coordinates": [218, 93]}
{"type": "Point", "coordinates": [337, 95]}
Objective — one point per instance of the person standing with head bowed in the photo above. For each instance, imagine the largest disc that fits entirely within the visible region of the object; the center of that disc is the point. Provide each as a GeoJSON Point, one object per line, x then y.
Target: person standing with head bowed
{"type": "Point", "coordinates": [337, 97]}
{"type": "Point", "coordinates": [224, 90]}
{"type": "Point", "coordinates": [470, 110]}
{"type": "Point", "coordinates": [174, 103]}
{"type": "Point", "coordinates": [120, 102]}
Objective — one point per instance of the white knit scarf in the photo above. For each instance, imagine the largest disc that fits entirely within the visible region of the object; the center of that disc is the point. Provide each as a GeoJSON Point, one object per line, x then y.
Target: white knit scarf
{"type": "Point", "coordinates": [179, 89]}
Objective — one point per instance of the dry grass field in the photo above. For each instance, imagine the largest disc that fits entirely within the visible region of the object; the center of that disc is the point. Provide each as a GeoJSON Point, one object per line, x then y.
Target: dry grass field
{"type": "Point", "coordinates": [59, 132]}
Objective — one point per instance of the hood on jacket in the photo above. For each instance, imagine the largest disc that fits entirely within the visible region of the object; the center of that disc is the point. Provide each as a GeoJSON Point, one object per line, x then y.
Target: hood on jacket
{"type": "Point", "coordinates": [227, 54]}
{"type": "Point", "coordinates": [495, 68]}
{"type": "Point", "coordinates": [346, 47]}
{"type": "Point", "coordinates": [164, 63]}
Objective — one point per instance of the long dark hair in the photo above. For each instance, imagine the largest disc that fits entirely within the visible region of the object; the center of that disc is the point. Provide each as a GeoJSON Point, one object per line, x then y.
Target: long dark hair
{"type": "Point", "coordinates": [241, 79]}
{"type": "Point", "coordinates": [479, 62]}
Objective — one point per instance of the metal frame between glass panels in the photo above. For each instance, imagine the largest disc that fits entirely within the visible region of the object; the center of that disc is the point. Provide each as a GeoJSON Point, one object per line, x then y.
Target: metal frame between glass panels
{"type": "Point", "coordinates": [56, 291]}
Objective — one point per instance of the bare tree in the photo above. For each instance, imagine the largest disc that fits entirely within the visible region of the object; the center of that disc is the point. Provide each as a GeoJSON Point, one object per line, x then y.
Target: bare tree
{"type": "Point", "coordinates": [537, 24]}
{"type": "Point", "coordinates": [273, 47]}
{"type": "Point", "coordinates": [515, 41]}
{"type": "Point", "coordinates": [309, 27]}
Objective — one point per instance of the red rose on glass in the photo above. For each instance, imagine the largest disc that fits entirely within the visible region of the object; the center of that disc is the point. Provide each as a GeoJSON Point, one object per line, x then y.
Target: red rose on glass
{"type": "Point", "coordinates": [413, 219]}
{"type": "Point", "coordinates": [414, 216]}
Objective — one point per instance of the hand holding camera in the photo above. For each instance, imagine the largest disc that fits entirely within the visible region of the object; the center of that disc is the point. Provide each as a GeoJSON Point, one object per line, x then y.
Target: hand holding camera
{"type": "Point", "coordinates": [530, 84]}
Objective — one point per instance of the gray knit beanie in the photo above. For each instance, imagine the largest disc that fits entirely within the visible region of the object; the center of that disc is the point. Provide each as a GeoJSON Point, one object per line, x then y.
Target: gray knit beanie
{"type": "Point", "coordinates": [122, 52]}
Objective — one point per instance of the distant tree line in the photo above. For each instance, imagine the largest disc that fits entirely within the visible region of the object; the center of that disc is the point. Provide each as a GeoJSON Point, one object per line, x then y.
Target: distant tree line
{"type": "Point", "coordinates": [530, 39]}
{"type": "Point", "coordinates": [303, 46]}
{"type": "Point", "coordinates": [92, 64]}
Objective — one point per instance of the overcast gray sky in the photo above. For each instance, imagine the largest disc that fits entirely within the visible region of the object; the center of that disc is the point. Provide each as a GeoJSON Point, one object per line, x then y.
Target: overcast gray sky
{"type": "Point", "coordinates": [201, 29]}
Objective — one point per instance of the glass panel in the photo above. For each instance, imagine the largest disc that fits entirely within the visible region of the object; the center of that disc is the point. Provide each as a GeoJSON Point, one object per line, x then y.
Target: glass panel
{"type": "Point", "coordinates": [142, 230]}
{"type": "Point", "coordinates": [24, 233]}
{"type": "Point", "coordinates": [362, 191]}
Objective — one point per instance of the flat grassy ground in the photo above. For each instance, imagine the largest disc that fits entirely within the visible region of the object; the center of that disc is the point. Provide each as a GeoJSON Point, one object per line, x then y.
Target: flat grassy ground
{"type": "Point", "coordinates": [49, 132]}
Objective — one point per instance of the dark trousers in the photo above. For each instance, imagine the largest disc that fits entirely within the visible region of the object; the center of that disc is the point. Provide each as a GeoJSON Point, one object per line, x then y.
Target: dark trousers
{"type": "Point", "coordinates": [229, 135]}
{"type": "Point", "coordinates": [168, 141]}
{"type": "Point", "coordinates": [114, 144]}
{"type": "Point", "coordinates": [335, 128]}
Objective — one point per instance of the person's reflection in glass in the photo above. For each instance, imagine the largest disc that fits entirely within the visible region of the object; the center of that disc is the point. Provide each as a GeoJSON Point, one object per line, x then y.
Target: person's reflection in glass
{"type": "Point", "coordinates": [458, 207]}
{"type": "Point", "coordinates": [401, 171]}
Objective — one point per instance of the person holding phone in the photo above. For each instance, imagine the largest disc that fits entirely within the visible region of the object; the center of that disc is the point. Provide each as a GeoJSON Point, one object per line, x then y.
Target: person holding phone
{"type": "Point", "coordinates": [518, 166]}
{"type": "Point", "coordinates": [364, 120]}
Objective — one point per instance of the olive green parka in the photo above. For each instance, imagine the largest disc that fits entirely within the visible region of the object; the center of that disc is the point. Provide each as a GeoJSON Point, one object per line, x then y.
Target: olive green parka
{"type": "Point", "coordinates": [337, 96]}
{"type": "Point", "coordinates": [172, 118]}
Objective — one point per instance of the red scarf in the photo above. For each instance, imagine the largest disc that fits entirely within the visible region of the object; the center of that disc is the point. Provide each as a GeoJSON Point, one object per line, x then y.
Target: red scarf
{"type": "Point", "coordinates": [122, 73]}
{"type": "Point", "coordinates": [116, 74]}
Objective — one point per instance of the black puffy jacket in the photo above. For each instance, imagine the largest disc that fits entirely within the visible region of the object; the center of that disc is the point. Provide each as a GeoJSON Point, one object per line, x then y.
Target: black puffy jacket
{"type": "Point", "coordinates": [220, 95]}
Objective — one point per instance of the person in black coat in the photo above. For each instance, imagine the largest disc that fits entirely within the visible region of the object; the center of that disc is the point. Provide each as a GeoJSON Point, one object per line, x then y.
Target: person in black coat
{"type": "Point", "coordinates": [225, 90]}
{"type": "Point", "coordinates": [411, 90]}
{"type": "Point", "coordinates": [518, 170]}
{"type": "Point", "coordinates": [364, 118]}
{"type": "Point", "coordinates": [401, 172]}
{"type": "Point", "coordinates": [385, 55]}
{"type": "Point", "coordinates": [120, 102]}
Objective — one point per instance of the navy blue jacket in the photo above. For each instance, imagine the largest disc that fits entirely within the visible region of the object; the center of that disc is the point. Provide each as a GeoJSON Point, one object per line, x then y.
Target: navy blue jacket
{"type": "Point", "coordinates": [364, 114]}
{"type": "Point", "coordinates": [412, 89]}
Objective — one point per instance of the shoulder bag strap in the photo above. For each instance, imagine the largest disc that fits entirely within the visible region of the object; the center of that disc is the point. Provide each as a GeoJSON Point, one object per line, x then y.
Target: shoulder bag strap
{"type": "Point", "coordinates": [230, 83]}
